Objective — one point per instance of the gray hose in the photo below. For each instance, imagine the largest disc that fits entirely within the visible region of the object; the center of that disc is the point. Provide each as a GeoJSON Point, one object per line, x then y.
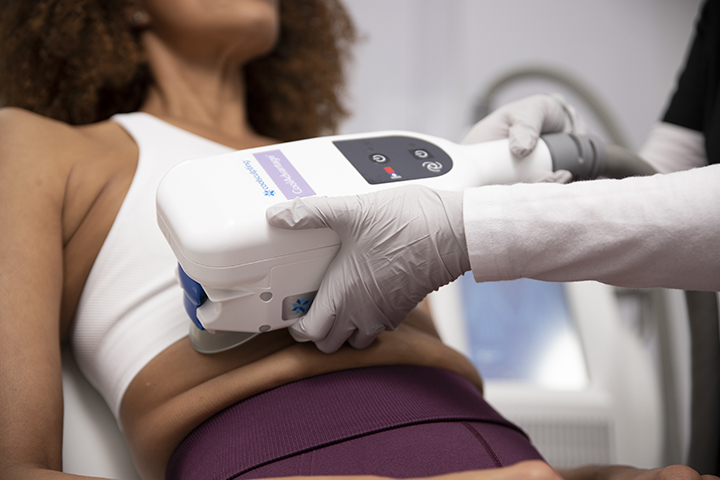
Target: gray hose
{"type": "Point", "coordinates": [582, 155]}
{"type": "Point", "coordinates": [621, 163]}
{"type": "Point", "coordinates": [588, 157]}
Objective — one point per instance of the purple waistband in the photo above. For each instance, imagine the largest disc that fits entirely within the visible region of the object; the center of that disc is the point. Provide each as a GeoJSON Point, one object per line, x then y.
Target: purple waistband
{"type": "Point", "coordinates": [328, 409]}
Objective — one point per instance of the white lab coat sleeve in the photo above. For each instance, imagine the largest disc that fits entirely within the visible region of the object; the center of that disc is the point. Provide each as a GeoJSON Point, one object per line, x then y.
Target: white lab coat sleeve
{"type": "Point", "coordinates": [672, 148]}
{"type": "Point", "coordinates": [659, 231]}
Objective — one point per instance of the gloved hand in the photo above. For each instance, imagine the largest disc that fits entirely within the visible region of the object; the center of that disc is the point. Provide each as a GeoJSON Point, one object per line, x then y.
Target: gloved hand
{"type": "Point", "coordinates": [524, 120]}
{"type": "Point", "coordinates": [398, 245]}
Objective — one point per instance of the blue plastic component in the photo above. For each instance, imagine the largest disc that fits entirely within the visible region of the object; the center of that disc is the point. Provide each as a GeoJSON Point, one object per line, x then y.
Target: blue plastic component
{"type": "Point", "coordinates": [191, 310]}
{"type": "Point", "coordinates": [194, 296]}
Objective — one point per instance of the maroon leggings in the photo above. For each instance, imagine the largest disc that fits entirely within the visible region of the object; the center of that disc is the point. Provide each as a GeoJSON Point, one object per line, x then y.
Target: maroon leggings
{"type": "Point", "coordinates": [394, 421]}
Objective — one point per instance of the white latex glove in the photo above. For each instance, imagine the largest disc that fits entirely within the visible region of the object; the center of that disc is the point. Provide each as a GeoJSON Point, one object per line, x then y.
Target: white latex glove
{"type": "Point", "coordinates": [523, 121]}
{"type": "Point", "coordinates": [398, 245]}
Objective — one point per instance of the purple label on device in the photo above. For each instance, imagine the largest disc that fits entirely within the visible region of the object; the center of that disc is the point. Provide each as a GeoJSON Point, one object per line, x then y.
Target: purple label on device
{"type": "Point", "coordinates": [282, 172]}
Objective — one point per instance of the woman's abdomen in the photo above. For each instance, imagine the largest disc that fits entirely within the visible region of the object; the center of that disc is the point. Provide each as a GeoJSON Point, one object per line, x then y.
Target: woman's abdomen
{"type": "Point", "coordinates": [180, 389]}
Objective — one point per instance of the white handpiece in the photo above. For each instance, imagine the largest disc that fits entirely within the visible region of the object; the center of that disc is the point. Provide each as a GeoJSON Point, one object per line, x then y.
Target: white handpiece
{"type": "Point", "coordinates": [259, 278]}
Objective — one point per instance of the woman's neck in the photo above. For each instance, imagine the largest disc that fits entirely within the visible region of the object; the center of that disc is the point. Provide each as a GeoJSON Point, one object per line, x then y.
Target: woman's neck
{"type": "Point", "coordinates": [207, 99]}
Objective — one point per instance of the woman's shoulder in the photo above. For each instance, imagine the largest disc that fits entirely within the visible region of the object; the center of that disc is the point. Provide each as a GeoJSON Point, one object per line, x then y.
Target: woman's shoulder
{"type": "Point", "coordinates": [20, 125]}
{"type": "Point", "coordinates": [29, 138]}
{"type": "Point", "coordinates": [31, 149]}
{"type": "Point", "coordinates": [32, 131]}
{"type": "Point", "coordinates": [35, 140]}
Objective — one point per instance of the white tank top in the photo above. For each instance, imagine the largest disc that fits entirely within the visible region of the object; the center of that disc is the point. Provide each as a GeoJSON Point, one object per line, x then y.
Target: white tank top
{"type": "Point", "coordinates": [131, 308]}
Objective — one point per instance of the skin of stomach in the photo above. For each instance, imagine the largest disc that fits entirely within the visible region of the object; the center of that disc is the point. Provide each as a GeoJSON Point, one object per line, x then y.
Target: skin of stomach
{"type": "Point", "coordinates": [159, 410]}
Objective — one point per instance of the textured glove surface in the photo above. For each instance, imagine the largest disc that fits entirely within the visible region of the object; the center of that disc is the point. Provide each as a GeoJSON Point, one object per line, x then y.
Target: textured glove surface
{"type": "Point", "coordinates": [398, 245]}
{"type": "Point", "coordinates": [523, 121]}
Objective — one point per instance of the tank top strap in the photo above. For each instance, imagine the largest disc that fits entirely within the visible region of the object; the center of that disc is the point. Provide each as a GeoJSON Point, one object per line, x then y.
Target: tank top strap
{"type": "Point", "coordinates": [157, 138]}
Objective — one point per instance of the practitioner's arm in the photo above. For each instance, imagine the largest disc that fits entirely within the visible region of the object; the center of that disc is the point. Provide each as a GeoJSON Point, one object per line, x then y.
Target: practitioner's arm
{"type": "Point", "coordinates": [658, 231]}
{"type": "Point", "coordinates": [31, 278]}
{"type": "Point", "coordinates": [403, 243]}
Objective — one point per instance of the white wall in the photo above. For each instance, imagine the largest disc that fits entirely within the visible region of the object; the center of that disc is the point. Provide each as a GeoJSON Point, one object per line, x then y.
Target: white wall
{"type": "Point", "coordinates": [422, 63]}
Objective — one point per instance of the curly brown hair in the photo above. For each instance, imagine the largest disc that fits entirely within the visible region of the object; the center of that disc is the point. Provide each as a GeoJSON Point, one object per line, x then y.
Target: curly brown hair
{"type": "Point", "coordinates": [80, 61]}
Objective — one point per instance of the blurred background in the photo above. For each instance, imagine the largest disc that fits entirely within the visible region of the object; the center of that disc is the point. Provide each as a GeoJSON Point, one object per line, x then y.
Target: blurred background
{"type": "Point", "coordinates": [423, 65]}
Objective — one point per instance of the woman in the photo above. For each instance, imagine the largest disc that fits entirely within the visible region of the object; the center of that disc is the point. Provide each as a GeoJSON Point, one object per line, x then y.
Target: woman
{"type": "Point", "coordinates": [83, 261]}
{"type": "Point", "coordinates": [82, 258]}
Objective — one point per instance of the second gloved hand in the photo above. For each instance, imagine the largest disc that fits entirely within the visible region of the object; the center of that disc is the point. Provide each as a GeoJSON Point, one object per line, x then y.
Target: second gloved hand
{"type": "Point", "coordinates": [398, 245]}
{"type": "Point", "coordinates": [523, 121]}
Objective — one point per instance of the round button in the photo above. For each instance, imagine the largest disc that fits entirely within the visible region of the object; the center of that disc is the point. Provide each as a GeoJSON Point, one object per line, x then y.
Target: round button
{"type": "Point", "coordinates": [434, 167]}
{"type": "Point", "coordinates": [265, 328]}
{"type": "Point", "coordinates": [379, 158]}
{"type": "Point", "coordinates": [421, 154]}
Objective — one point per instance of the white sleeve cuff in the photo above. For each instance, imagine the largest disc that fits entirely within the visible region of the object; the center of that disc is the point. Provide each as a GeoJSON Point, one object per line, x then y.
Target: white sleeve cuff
{"type": "Point", "coordinates": [671, 148]}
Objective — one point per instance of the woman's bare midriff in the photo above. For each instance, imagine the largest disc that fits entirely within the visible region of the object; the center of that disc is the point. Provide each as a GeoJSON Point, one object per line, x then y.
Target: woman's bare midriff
{"type": "Point", "coordinates": [181, 388]}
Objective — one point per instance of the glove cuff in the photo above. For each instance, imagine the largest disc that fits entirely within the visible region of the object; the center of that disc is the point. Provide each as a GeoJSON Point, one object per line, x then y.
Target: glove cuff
{"type": "Point", "coordinates": [456, 254]}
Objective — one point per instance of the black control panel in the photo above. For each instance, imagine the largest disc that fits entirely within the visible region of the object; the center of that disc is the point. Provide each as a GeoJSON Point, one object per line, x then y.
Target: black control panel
{"type": "Point", "coordinates": [395, 159]}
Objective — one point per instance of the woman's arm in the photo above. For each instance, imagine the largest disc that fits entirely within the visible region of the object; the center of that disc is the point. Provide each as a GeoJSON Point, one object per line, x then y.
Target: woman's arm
{"type": "Point", "coordinates": [538, 470]}
{"type": "Point", "coordinates": [620, 472]}
{"type": "Point", "coordinates": [32, 188]}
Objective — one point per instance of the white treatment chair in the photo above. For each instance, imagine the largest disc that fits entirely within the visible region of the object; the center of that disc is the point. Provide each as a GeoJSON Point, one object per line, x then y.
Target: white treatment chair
{"type": "Point", "coordinates": [92, 442]}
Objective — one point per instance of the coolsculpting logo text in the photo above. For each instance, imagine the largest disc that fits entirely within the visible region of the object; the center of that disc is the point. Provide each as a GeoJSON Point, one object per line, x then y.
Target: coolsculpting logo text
{"type": "Point", "coordinates": [285, 175]}
{"type": "Point", "coordinates": [269, 192]}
